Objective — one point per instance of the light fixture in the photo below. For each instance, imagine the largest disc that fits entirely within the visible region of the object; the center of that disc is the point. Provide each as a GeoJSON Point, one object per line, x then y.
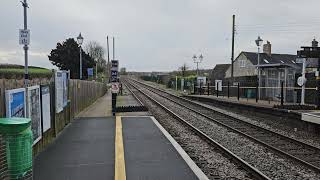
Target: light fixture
{"type": "Point", "coordinates": [80, 39]}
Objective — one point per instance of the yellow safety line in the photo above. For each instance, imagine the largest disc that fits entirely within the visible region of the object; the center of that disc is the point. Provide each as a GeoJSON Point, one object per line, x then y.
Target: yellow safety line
{"type": "Point", "coordinates": [120, 166]}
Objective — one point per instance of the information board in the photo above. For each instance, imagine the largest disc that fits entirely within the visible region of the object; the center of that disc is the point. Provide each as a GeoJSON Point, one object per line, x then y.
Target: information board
{"type": "Point", "coordinates": [59, 91]}
{"type": "Point", "coordinates": [46, 108]}
{"type": "Point", "coordinates": [15, 103]}
{"type": "Point", "coordinates": [65, 88]}
{"type": "Point", "coordinates": [114, 70]}
{"type": "Point", "coordinates": [35, 112]}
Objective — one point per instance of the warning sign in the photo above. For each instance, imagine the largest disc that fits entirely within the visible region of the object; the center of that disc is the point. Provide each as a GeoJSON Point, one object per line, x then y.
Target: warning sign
{"type": "Point", "coordinates": [115, 88]}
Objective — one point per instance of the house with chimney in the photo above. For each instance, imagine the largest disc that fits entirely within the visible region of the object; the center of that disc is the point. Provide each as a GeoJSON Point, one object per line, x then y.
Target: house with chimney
{"type": "Point", "coordinates": [274, 68]}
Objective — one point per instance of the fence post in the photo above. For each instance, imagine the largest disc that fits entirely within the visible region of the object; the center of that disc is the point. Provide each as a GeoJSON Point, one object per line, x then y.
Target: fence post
{"type": "Point", "coordinates": [257, 91]}
{"type": "Point", "coordinates": [200, 89]}
{"type": "Point", "coordinates": [282, 84]}
{"type": "Point", "coordinates": [217, 89]}
{"type": "Point", "coordinates": [228, 89]}
{"type": "Point", "coordinates": [208, 88]}
{"type": "Point", "coordinates": [238, 91]}
{"type": "Point", "coordinates": [194, 88]}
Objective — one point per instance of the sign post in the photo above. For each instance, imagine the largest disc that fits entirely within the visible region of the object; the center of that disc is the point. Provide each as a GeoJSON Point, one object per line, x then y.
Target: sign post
{"type": "Point", "coordinates": [24, 39]}
{"type": "Point", "coordinates": [114, 84]}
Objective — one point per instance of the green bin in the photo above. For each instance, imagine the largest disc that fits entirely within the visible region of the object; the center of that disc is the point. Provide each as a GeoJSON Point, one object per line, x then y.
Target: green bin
{"type": "Point", "coordinates": [18, 141]}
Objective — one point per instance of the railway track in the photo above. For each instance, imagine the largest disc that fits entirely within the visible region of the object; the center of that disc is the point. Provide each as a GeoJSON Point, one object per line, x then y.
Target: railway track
{"type": "Point", "coordinates": [254, 173]}
{"type": "Point", "coordinates": [301, 152]}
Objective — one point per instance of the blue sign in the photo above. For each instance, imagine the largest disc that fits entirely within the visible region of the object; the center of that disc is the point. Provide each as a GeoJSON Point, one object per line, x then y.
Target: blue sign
{"type": "Point", "coordinates": [90, 71]}
{"type": "Point", "coordinates": [15, 103]}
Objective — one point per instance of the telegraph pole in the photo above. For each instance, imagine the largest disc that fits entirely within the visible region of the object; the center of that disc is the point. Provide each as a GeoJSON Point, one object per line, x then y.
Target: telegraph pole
{"type": "Point", "coordinates": [232, 53]}
{"type": "Point", "coordinates": [26, 47]}
{"type": "Point", "coordinates": [113, 49]}
{"type": "Point", "coordinates": [108, 65]}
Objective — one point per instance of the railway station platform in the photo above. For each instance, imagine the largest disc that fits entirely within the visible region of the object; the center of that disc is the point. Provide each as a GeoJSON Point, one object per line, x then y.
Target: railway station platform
{"type": "Point", "coordinates": [122, 147]}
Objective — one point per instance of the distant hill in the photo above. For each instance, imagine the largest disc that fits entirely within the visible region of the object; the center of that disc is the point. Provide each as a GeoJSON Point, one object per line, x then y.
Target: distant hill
{"type": "Point", "coordinates": [14, 71]}
{"type": "Point", "coordinates": [16, 66]}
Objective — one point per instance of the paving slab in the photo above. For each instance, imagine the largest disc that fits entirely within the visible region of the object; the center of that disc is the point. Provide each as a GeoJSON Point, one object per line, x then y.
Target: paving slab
{"type": "Point", "coordinates": [100, 108]}
{"type": "Point", "coordinates": [84, 150]}
{"type": "Point", "coordinates": [149, 154]}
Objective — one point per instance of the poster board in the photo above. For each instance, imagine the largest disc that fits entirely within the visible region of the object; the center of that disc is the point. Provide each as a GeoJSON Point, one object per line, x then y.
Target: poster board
{"type": "Point", "coordinates": [59, 91]}
{"type": "Point", "coordinates": [65, 88]}
{"type": "Point", "coordinates": [15, 103]}
{"type": "Point", "coordinates": [35, 112]}
{"type": "Point", "coordinates": [46, 108]}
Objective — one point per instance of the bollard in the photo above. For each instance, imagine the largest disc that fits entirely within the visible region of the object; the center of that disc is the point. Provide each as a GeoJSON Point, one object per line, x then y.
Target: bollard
{"type": "Point", "coordinates": [208, 89]}
{"type": "Point", "coordinates": [194, 89]}
{"type": "Point", "coordinates": [238, 91]}
{"type": "Point", "coordinates": [200, 89]}
{"type": "Point", "coordinates": [114, 103]}
{"type": "Point", "coordinates": [282, 96]}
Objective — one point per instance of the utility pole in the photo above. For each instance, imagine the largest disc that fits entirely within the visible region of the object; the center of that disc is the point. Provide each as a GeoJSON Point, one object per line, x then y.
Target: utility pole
{"type": "Point", "coordinates": [113, 49]}
{"type": "Point", "coordinates": [232, 53]}
{"type": "Point", "coordinates": [26, 47]}
{"type": "Point", "coordinates": [108, 65]}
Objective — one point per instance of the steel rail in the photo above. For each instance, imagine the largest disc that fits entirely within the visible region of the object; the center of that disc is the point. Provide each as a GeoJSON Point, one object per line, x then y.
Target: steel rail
{"type": "Point", "coordinates": [316, 168]}
{"type": "Point", "coordinates": [252, 170]}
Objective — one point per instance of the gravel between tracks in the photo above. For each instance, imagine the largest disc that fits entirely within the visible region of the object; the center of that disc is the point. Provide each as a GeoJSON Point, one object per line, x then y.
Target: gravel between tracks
{"type": "Point", "coordinates": [265, 160]}
{"type": "Point", "coordinates": [271, 123]}
{"type": "Point", "coordinates": [212, 163]}
{"type": "Point", "coordinates": [263, 120]}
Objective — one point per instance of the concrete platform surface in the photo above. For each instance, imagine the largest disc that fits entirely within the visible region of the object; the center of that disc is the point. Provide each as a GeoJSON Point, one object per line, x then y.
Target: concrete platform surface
{"type": "Point", "coordinates": [312, 116]}
{"type": "Point", "coordinates": [119, 148]}
{"type": "Point", "coordinates": [149, 154]}
{"type": "Point", "coordinates": [84, 150]}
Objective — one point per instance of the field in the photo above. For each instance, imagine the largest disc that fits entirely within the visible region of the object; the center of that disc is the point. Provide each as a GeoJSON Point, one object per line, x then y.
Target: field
{"type": "Point", "coordinates": [16, 71]}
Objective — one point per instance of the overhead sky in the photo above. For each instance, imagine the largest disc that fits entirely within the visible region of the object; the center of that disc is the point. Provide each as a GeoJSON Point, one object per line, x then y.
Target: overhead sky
{"type": "Point", "coordinates": [159, 35]}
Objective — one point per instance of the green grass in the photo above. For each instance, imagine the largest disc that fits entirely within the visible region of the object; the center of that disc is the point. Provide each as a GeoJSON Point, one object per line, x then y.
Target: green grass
{"type": "Point", "coordinates": [18, 72]}
{"type": "Point", "coordinates": [31, 71]}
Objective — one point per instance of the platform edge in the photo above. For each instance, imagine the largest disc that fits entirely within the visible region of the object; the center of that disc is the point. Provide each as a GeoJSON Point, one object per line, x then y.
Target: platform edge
{"type": "Point", "coordinates": [192, 165]}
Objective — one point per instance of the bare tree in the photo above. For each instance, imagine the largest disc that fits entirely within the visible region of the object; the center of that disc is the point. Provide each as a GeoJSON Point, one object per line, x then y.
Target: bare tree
{"type": "Point", "coordinates": [184, 68]}
{"type": "Point", "coordinates": [97, 52]}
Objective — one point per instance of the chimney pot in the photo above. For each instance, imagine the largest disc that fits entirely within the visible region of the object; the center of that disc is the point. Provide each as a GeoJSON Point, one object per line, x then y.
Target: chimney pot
{"type": "Point", "coordinates": [267, 48]}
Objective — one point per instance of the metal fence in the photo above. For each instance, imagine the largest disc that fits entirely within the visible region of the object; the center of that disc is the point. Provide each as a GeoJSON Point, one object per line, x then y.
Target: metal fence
{"type": "Point", "coordinates": [276, 95]}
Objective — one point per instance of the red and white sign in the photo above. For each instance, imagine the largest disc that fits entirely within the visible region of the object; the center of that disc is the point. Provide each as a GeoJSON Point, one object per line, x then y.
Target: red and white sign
{"type": "Point", "coordinates": [115, 88]}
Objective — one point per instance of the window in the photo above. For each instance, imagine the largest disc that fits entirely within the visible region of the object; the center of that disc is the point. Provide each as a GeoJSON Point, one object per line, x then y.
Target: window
{"type": "Point", "coordinates": [242, 63]}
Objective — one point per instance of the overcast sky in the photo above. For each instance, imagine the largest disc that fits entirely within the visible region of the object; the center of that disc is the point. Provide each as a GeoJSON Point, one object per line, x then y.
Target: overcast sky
{"type": "Point", "coordinates": [159, 35]}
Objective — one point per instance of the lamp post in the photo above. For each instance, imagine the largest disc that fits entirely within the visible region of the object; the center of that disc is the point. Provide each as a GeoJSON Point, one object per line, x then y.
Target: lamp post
{"type": "Point", "coordinates": [197, 60]}
{"type": "Point", "coordinates": [259, 42]}
{"type": "Point", "coordinates": [80, 41]}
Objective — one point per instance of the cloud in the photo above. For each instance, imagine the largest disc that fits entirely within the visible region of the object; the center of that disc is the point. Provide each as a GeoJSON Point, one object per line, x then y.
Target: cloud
{"type": "Point", "coordinates": [159, 34]}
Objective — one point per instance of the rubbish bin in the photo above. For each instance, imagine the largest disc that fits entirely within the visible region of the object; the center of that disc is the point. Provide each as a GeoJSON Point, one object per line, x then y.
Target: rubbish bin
{"type": "Point", "coordinates": [18, 141]}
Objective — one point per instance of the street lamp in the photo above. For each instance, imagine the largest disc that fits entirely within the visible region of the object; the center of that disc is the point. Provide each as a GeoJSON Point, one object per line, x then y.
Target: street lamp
{"type": "Point", "coordinates": [197, 60]}
{"type": "Point", "coordinates": [259, 42]}
{"type": "Point", "coordinates": [80, 41]}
